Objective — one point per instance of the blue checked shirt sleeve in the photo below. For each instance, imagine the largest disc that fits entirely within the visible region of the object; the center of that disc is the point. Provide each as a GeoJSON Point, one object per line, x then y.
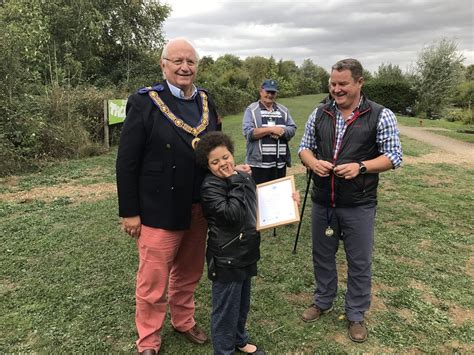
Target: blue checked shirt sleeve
{"type": "Point", "coordinates": [388, 138]}
{"type": "Point", "coordinates": [308, 141]}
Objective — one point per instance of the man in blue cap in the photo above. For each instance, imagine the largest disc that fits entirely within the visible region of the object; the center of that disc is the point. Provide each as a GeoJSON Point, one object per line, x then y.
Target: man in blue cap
{"type": "Point", "coordinates": [267, 127]}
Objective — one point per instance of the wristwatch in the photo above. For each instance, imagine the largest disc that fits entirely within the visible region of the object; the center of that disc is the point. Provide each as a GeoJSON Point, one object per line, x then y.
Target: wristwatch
{"type": "Point", "coordinates": [362, 168]}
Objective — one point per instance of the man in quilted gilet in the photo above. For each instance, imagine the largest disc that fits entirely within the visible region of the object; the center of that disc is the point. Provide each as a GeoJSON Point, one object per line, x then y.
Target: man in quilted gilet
{"type": "Point", "coordinates": [347, 142]}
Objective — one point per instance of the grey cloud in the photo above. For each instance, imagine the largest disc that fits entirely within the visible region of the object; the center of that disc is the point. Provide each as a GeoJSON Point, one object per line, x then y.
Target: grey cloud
{"type": "Point", "coordinates": [374, 32]}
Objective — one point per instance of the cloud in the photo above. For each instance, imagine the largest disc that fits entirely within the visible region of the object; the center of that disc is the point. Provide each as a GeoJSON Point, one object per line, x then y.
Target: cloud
{"type": "Point", "coordinates": [323, 31]}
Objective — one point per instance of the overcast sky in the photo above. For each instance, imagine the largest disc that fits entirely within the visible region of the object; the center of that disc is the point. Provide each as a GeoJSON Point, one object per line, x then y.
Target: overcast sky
{"type": "Point", "coordinates": [374, 32]}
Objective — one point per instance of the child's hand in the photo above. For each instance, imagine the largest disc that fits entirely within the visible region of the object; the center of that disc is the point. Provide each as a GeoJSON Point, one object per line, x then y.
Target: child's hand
{"type": "Point", "coordinates": [227, 170]}
{"type": "Point", "coordinates": [296, 197]}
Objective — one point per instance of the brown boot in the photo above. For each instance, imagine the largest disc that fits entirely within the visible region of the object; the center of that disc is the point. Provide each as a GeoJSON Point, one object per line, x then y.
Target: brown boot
{"type": "Point", "coordinates": [357, 331]}
{"type": "Point", "coordinates": [195, 335]}
{"type": "Point", "coordinates": [313, 313]}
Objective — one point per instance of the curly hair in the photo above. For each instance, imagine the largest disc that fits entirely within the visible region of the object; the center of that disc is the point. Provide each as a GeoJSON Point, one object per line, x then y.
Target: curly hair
{"type": "Point", "coordinates": [209, 142]}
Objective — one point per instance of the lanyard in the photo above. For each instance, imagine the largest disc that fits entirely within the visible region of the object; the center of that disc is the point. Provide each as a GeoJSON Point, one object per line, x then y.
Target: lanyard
{"type": "Point", "coordinates": [329, 231]}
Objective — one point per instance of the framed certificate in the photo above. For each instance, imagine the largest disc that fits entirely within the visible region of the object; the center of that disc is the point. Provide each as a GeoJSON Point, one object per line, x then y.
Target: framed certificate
{"type": "Point", "coordinates": [275, 204]}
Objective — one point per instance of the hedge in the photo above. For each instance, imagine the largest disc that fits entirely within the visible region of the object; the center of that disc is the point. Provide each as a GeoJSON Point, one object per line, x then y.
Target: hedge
{"type": "Point", "coordinates": [397, 96]}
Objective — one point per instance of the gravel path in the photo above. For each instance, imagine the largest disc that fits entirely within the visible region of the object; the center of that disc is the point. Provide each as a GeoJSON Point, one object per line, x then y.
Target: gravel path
{"type": "Point", "coordinates": [445, 143]}
{"type": "Point", "coordinates": [449, 150]}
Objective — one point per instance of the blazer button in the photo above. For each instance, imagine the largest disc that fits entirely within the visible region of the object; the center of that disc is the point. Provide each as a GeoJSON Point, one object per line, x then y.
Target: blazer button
{"type": "Point", "coordinates": [229, 262]}
{"type": "Point", "coordinates": [172, 187]}
{"type": "Point", "coordinates": [174, 166]}
{"type": "Point", "coordinates": [168, 146]}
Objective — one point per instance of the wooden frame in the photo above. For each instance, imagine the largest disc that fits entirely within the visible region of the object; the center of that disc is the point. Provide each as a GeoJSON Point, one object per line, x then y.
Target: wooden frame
{"type": "Point", "coordinates": [276, 195]}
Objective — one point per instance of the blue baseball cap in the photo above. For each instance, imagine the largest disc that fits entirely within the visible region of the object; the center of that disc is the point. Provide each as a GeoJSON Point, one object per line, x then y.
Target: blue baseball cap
{"type": "Point", "coordinates": [270, 85]}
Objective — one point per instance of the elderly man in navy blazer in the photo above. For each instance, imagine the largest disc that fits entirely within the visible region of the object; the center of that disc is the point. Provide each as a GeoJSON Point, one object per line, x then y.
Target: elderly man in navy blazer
{"type": "Point", "coordinates": [159, 185]}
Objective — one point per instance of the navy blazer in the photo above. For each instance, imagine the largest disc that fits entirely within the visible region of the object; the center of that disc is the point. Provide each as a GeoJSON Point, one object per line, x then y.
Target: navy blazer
{"type": "Point", "coordinates": [157, 175]}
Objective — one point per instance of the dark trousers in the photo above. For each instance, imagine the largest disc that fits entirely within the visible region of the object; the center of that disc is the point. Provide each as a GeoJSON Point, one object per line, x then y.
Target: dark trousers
{"type": "Point", "coordinates": [230, 306]}
{"type": "Point", "coordinates": [355, 227]}
{"type": "Point", "coordinates": [261, 175]}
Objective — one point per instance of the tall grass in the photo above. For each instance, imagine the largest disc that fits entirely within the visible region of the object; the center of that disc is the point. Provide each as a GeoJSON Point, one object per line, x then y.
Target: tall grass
{"type": "Point", "coordinates": [68, 272]}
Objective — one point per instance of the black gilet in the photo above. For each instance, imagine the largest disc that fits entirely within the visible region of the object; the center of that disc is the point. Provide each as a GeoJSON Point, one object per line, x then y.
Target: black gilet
{"type": "Point", "coordinates": [358, 144]}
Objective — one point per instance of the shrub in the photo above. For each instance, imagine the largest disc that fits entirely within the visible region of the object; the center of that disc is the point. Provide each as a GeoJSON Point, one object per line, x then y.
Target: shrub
{"type": "Point", "coordinates": [59, 122]}
{"type": "Point", "coordinates": [397, 96]}
{"type": "Point", "coordinates": [464, 95]}
{"type": "Point", "coordinates": [229, 100]}
{"type": "Point", "coordinates": [457, 114]}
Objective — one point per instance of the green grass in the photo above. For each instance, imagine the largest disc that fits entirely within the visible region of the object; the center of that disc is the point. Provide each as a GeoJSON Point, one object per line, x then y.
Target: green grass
{"type": "Point", "coordinates": [68, 272]}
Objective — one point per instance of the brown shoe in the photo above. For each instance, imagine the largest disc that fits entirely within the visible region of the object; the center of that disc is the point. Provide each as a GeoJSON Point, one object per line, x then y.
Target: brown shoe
{"type": "Point", "coordinates": [148, 352]}
{"type": "Point", "coordinates": [313, 313]}
{"type": "Point", "coordinates": [357, 331]}
{"type": "Point", "coordinates": [195, 335]}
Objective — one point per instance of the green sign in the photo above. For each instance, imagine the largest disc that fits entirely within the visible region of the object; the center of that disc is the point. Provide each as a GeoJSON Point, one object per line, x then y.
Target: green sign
{"type": "Point", "coordinates": [116, 111]}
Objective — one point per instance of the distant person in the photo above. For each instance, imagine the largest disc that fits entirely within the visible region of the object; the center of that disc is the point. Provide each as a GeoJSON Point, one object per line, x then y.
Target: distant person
{"type": "Point", "coordinates": [268, 127]}
{"type": "Point", "coordinates": [159, 192]}
{"type": "Point", "coordinates": [347, 142]}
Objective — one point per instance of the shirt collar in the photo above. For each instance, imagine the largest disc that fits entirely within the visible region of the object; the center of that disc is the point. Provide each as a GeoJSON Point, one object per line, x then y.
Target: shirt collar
{"type": "Point", "coordinates": [177, 92]}
{"type": "Point", "coordinates": [262, 106]}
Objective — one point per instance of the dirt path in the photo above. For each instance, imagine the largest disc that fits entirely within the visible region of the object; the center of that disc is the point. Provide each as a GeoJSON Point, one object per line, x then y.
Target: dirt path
{"type": "Point", "coordinates": [449, 150]}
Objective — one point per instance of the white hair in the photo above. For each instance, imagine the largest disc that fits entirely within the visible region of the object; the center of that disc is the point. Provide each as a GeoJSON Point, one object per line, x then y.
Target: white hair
{"type": "Point", "coordinates": [164, 53]}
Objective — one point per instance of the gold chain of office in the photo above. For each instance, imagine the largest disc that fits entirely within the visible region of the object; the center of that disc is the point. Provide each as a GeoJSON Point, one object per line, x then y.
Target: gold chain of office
{"type": "Point", "coordinates": [195, 131]}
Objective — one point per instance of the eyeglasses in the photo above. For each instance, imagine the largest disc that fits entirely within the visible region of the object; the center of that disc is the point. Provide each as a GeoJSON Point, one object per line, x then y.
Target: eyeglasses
{"type": "Point", "coordinates": [179, 62]}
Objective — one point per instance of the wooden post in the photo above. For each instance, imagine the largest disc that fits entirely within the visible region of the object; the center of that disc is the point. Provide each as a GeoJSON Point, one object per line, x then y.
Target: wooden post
{"type": "Point", "coordinates": [106, 125]}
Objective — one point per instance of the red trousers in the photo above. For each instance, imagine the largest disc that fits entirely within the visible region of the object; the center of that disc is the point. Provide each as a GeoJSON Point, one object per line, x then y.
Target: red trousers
{"type": "Point", "coordinates": [171, 265]}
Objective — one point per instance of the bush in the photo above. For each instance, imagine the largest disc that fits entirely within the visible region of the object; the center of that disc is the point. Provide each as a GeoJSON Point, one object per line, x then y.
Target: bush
{"type": "Point", "coordinates": [456, 114]}
{"type": "Point", "coordinates": [60, 122]}
{"type": "Point", "coordinates": [229, 100]}
{"type": "Point", "coordinates": [10, 161]}
{"type": "Point", "coordinates": [397, 96]}
{"type": "Point", "coordinates": [464, 95]}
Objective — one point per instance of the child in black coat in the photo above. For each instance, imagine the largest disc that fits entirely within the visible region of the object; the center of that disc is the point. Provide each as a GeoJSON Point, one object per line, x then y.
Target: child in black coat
{"type": "Point", "coordinates": [229, 201]}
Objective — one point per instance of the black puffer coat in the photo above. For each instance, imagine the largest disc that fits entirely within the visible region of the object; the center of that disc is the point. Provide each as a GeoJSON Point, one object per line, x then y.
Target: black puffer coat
{"type": "Point", "coordinates": [230, 206]}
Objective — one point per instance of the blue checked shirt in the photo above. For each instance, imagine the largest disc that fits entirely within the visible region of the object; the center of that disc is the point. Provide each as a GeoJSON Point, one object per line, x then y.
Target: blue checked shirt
{"type": "Point", "coordinates": [387, 139]}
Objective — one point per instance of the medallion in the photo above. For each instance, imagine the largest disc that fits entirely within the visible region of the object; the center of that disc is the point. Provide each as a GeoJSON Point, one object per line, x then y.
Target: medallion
{"type": "Point", "coordinates": [329, 232]}
{"type": "Point", "coordinates": [194, 142]}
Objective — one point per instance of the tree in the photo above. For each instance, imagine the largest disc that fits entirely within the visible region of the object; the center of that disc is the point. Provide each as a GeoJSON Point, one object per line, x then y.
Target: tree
{"type": "Point", "coordinates": [287, 72]}
{"type": "Point", "coordinates": [84, 41]}
{"type": "Point", "coordinates": [367, 75]}
{"type": "Point", "coordinates": [438, 73]}
{"type": "Point", "coordinates": [313, 79]}
{"type": "Point", "coordinates": [470, 72]}
{"type": "Point", "coordinates": [389, 73]}
{"type": "Point", "coordinates": [257, 68]}
{"type": "Point", "coordinates": [50, 50]}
